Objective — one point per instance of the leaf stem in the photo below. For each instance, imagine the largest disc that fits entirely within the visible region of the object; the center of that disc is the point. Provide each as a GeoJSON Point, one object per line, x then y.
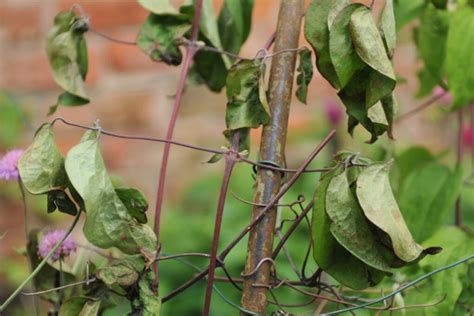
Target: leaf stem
{"type": "Point", "coordinates": [257, 219]}
{"type": "Point", "coordinates": [26, 228]}
{"type": "Point", "coordinates": [40, 265]}
{"type": "Point", "coordinates": [190, 51]}
{"type": "Point", "coordinates": [230, 161]}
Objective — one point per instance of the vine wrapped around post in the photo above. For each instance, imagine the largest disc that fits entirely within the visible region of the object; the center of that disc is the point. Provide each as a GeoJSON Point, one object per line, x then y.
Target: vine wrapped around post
{"type": "Point", "coordinates": [272, 149]}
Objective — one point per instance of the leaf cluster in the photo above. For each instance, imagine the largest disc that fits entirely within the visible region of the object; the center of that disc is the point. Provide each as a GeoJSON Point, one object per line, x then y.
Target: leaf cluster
{"type": "Point", "coordinates": [358, 229]}
{"type": "Point", "coordinates": [354, 54]}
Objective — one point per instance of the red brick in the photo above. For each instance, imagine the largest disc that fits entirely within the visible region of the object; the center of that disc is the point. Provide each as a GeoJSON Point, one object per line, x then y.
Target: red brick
{"type": "Point", "coordinates": [110, 14]}
{"type": "Point", "coordinates": [30, 70]}
{"type": "Point", "coordinates": [20, 22]}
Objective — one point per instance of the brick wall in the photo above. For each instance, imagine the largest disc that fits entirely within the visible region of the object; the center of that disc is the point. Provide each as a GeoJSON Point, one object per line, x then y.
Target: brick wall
{"type": "Point", "coordinates": [132, 94]}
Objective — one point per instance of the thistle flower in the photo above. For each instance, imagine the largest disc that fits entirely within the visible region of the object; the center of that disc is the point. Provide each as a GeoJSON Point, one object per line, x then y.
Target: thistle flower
{"type": "Point", "coordinates": [333, 112]}
{"type": "Point", "coordinates": [51, 239]}
{"type": "Point", "coordinates": [9, 165]}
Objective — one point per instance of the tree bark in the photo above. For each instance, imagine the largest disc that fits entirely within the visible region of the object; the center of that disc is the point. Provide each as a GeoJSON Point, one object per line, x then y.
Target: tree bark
{"type": "Point", "coordinates": [272, 150]}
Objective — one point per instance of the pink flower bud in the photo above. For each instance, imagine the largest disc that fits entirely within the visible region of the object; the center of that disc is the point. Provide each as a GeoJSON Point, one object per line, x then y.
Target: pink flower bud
{"type": "Point", "coordinates": [333, 111]}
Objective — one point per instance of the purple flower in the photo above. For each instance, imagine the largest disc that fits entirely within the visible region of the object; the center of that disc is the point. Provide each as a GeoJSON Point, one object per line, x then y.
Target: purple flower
{"type": "Point", "coordinates": [9, 164]}
{"type": "Point", "coordinates": [51, 239]}
{"type": "Point", "coordinates": [445, 96]}
{"type": "Point", "coordinates": [333, 111]}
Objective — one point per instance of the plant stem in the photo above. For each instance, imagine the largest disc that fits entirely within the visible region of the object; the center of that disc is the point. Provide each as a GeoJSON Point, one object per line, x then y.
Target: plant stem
{"type": "Point", "coordinates": [458, 209]}
{"type": "Point", "coordinates": [40, 265]}
{"type": "Point", "coordinates": [190, 51]}
{"type": "Point", "coordinates": [26, 228]}
{"type": "Point", "coordinates": [230, 161]}
{"type": "Point", "coordinates": [256, 220]}
{"type": "Point", "coordinates": [272, 148]}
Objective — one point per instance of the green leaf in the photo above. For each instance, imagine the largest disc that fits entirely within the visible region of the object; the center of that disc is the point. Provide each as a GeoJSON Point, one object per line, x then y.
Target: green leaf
{"type": "Point", "coordinates": [465, 300]}
{"type": "Point", "coordinates": [380, 207]}
{"type": "Point", "coordinates": [91, 308]}
{"type": "Point", "coordinates": [48, 277]}
{"type": "Point", "coordinates": [329, 254]}
{"type": "Point", "coordinates": [440, 4]}
{"type": "Point", "coordinates": [215, 158]}
{"type": "Point", "coordinates": [387, 28]}
{"type": "Point", "coordinates": [305, 74]}
{"type": "Point", "coordinates": [370, 48]}
{"type": "Point", "coordinates": [73, 306]}
{"type": "Point", "coordinates": [460, 56]}
{"type": "Point", "coordinates": [244, 109]}
{"type": "Point", "coordinates": [159, 37]}
{"type": "Point", "coordinates": [390, 108]}
{"type": "Point", "coordinates": [411, 160]}
{"type": "Point", "coordinates": [434, 28]}
{"type": "Point", "coordinates": [41, 166]}
{"type": "Point", "coordinates": [67, 53]}
{"type": "Point", "coordinates": [349, 226]}
{"type": "Point", "coordinates": [316, 32]}
{"type": "Point", "coordinates": [427, 198]}
{"type": "Point", "coordinates": [426, 83]}
{"type": "Point", "coordinates": [234, 23]}
{"type": "Point", "coordinates": [123, 272]}
{"type": "Point", "coordinates": [447, 284]}
{"type": "Point", "coordinates": [158, 7]}
{"type": "Point", "coordinates": [344, 58]}
{"type": "Point", "coordinates": [211, 67]}
{"type": "Point", "coordinates": [149, 302]}
{"type": "Point", "coordinates": [227, 33]}
{"type": "Point", "coordinates": [353, 96]}
{"type": "Point", "coordinates": [108, 222]}
{"type": "Point", "coordinates": [407, 10]}
{"type": "Point", "coordinates": [135, 202]}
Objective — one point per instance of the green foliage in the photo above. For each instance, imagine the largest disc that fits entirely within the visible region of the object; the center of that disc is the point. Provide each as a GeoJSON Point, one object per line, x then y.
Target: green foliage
{"type": "Point", "coordinates": [316, 31]}
{"type": "Point", "coordinates": [354, 56]}
{"type": "Point", "coordinates": [407, 10]}
{"type": "Point", "coordinates": [388, 28]}
{"type": "Point", "coordinates": [460, 56]}
{"type": "Point", "coordinates": [380, 207]}
{"type": "Point", "coordinates": [79, 306]}
{"type": "Point", "coordinates": [434, 26]}
{"type": "Point", "coordinates": [159, 7]}
{"type": "Point", "coordinates": [67, 54]}
{"type": "Point", "coordinates": [447, 284]}
{"type": "Point", "coordinates": [123, 272]}
{"type": "Point", "coordinates": [160, 35]}
{"type": "Point", "coordinates": [428, 196]}
{"type": "Point", "coordinates": [330, 255]}
{"type": "Point", "coordinates": [41, 166]}
{"type": "Point", "coordinates": [10, 120]}
{"type": "Point", "coordinates": [135, 202]}
{"type": "Point", "coordinates": [108, 222]}
{"type": "Point", "coordinates": [357, 224]}
{"type": "Point", "coordinates": [305, 74]}
{"type": "Point", "coordinates": [245, 108]}
{"type": "Point", "coordinates": [226, 32]}
{"type": "Point", "coordinates": [41, 169]}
